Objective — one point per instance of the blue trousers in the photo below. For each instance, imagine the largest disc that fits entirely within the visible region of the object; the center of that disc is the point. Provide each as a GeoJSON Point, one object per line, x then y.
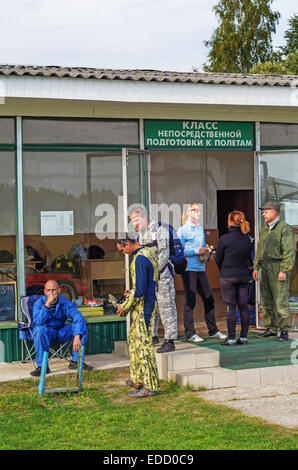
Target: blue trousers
{"type": "Point", "coordinates": [43, 337]}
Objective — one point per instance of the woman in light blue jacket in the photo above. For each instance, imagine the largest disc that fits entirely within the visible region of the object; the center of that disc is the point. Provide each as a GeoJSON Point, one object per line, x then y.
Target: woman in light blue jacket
{"type": "Point", "coordinates": [194, 279]}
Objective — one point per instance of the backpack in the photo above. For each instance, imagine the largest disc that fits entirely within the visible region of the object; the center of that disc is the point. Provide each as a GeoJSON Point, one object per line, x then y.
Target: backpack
{"type": "Point", "coordinates": [176, 249]}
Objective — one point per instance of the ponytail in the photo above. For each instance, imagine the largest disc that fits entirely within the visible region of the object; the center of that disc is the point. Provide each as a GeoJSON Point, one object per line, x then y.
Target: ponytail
{"type": "Point", "coordinates": [238, 218]}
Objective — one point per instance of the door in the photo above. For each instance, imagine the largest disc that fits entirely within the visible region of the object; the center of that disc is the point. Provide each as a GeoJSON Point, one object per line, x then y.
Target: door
{"type": "Point", "coordinates": [229, 200]}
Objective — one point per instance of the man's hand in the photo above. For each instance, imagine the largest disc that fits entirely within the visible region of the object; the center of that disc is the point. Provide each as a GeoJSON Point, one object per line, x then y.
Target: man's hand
{"type": "Point", "coordinates": [255, 275]}
{"type": "Point", "coordinates": [76, 343]}
{"type": "Point", "coordinates": [127, 293]}
{"type": "Point", "coordinates": [120, 312]}
{"type": "Point", "coordinates": [51, 299]}
{"type": "Point", "coordinates": [282, 276]}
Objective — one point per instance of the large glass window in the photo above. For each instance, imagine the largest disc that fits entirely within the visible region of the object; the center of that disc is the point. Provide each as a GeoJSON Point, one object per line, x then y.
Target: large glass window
{"type": "Point", "coordinates": [279, 182]}
{"type": "Point", "coordinates": [71, 210]}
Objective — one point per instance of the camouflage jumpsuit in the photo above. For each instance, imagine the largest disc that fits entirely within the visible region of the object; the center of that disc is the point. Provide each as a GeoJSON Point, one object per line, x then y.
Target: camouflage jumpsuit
{"type": "Point", "coordinates": [143, 367]}
{"type": "Point", "coordinates": [275, 253]}
{"type": "Point", "coordinates": [157, 237]}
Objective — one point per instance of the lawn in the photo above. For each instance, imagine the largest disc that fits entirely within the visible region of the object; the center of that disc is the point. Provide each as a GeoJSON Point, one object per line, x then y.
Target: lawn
{"type": "Point", "coordinates": [105, 417]}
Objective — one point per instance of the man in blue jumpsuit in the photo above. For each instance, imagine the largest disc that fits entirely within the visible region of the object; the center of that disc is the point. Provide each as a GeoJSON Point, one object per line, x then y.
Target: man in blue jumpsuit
{"type": "Point", "coordinates": [50, 313]}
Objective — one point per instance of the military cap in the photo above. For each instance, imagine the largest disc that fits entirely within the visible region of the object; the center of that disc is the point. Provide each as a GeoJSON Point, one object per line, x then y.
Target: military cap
{"type": "Point", "coordinates": [271, 205]}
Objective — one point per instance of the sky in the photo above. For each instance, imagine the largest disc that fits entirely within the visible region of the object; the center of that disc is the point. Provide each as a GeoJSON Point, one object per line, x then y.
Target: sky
{"type": "Point", "coordinates": [163, 35]}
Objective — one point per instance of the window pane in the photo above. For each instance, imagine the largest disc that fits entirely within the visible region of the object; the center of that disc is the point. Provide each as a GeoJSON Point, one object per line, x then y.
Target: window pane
{"type": "Point", "coordinates": [88, 187]}
{"type": "Point", "coordinates": [59, 131]}
{"type": "Point", "coordinates": [7, 235]}
{"type": "Point", "coordinates": [7, 133]}
{"type": "Point", "coordinates": [277, 135]}
{"type": "Point", "coordinates": [279, 182]}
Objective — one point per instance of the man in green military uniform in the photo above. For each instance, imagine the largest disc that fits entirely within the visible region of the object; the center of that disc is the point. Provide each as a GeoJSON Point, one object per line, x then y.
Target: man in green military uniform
{"type": "Point", "coordinates": [275, 256]}
{"type": "Point", "coordinates": [141, 303]}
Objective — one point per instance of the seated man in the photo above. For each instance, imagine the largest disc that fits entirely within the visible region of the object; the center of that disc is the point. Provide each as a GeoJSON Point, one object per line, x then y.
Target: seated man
{"type": "Point", "coordinates": [50, 313]}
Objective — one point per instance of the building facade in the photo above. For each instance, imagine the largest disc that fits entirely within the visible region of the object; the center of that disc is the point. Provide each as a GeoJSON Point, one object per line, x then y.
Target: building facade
{"type": "Point", "coordinates": [79, 146]}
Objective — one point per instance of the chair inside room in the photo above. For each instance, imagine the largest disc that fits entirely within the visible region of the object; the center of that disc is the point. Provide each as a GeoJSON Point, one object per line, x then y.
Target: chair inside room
{"type": "Point", "coordinates": [25, 326]}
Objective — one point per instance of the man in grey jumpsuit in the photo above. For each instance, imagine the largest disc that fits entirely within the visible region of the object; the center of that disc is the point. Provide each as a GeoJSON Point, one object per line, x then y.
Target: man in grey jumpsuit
{"type": "Point", "coordinates": [156, 236]}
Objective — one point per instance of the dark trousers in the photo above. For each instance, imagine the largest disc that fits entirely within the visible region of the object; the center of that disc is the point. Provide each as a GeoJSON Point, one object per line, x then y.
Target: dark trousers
{"type": "Point", "coordinates": [234, 292]}
{"type": "Point", "coordinates": [197, 281]}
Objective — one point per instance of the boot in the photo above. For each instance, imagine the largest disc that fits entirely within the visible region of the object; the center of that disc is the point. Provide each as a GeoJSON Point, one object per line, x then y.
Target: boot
{"type": "Point", "coordinates": [168, 346]}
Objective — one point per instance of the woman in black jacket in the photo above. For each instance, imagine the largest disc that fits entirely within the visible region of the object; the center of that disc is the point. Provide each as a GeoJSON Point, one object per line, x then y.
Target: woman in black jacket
{"type": "Point", "coordinates": [233, 257]}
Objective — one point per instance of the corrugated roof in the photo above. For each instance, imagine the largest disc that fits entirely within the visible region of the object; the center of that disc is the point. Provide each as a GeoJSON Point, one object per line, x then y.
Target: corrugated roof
{"type": "Point", "coordinates": [149, 75]}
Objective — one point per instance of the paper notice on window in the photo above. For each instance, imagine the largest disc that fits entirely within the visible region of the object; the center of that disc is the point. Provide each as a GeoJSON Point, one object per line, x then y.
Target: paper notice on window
{"type": "Point", "coordinates": [56, 223]}
{"type": "Point", "coordinates": [291, 212]}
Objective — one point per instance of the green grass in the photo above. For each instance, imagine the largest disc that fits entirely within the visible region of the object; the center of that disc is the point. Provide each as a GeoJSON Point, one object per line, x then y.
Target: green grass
{"type": "Point", "coordinates": [105, 417]}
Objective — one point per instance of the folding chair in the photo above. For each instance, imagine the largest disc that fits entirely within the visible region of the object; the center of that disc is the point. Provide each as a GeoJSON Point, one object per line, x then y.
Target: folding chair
{"type": "Point", "coordinates": [25, 328]}
{"type": "Point", "coordinates": [77, 389]}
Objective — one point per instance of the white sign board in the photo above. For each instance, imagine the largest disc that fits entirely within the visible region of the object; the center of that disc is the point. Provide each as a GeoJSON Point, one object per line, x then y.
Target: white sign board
{"type": "Point", "coordinates": [56, 223]}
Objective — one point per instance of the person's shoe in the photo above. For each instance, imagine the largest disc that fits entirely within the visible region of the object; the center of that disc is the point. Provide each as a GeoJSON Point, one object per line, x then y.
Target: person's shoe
{"type": "Point", "coordinates": [130, 383]}
{"type": "Point", "coordinates": [155, 340]}
{"type": "Point", "coordinates": [36, 372]}
{"type": "Point", "coordinates": [267, 333]}
{"type": "Point", "coordinates": [73, 365]}
{"type": "Point", "coordinates": [195, 339]}
{"type": "Point", "coordinates": [168, 346]}
{"type": "Point", "coordinates": [242, 341]}
{"type": "Point", "coordinates": [229, 342]}
{"type": "Point", "coordinates": [142, 393]}
{"type": "Point", "coordinates": [219, 335]}
{"type": "Point", "coordinates": [283, 336]}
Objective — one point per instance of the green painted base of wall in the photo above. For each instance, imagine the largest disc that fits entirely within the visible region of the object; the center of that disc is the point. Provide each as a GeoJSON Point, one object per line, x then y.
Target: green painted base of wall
{"type": "Point", "coordinates": [101, 337]}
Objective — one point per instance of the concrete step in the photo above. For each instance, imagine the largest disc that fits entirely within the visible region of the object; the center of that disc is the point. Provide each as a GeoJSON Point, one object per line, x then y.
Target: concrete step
{"type": "Point", "coordinates": [209, 378]}
{"type": "Point", "coordinates": [185, 357]}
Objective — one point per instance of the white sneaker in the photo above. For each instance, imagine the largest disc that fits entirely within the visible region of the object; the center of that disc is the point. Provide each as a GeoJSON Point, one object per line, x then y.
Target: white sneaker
{"type": "Point", "coordinates": [219, 335]}
{"type": "Point", "coordinates": [195, 339]}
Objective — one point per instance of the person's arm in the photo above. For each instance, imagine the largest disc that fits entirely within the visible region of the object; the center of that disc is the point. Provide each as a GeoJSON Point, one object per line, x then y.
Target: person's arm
{"type": "Point", "coordinates": [79, 322]}
{"type": "Point", "coordinates": [41, 313]}
{"type": "Point", "coordinates": [183, 239]}
{"type": "Point", "coordinates": [219, 256]}
{"type": "Point", "coordinates": [163, 247]}
{"type": "Point", "coordinates": [288, 251]}
{"type": "Point", "coordinates": [142, 264]}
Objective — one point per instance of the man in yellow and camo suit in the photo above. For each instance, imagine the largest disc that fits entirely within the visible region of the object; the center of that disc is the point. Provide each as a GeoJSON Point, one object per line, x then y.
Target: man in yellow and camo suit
{"type": "Point", "coordinates": [141, 303]}
{"type": "Point", "coordinates": [275, 257]}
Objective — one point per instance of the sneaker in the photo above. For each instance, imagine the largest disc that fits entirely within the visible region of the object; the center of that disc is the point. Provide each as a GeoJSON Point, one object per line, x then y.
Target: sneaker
{"type": "Point", "coordinates": [242, 341]}
{"type": "Point", "coordinates": [168, 346]}
{"type": "Point", "coordinates": [219, 335]}
{"type": "Point", "coordinates": [130, 383]}
{"type": "Point", "coordinates": [36, 372]}
{"type": "Point", "coordinates": [195, 339]}
{"type": "Point", "coordinates": [73, 365]}
{"type": "Point", "coordinates": [229, 342]}
{"type": "Point", "coordinates": [267, 333]}
{"type": "Point", "coordinates": [283, 336]}
{"type": "Point", "coordinates": [155, 340]}
{"type": "Point", "coordinates": [142, 393]}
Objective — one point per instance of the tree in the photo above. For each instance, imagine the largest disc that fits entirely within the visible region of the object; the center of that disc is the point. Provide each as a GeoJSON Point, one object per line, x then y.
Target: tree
{"type": "Point", "coordinates": [285, 61]}
{"type": "Point", "coordinates": [243, 37]}
{"type": "Point", "coordinates": [291, 36]}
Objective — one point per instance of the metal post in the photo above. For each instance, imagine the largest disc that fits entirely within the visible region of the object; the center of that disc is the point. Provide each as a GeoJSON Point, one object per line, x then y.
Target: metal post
{"type": "Point", "coordinates": [125, 225]}
{"type": "Point", "coordinates": [257, 203]}
{"type": "Point", "coordinates": [20, 248]}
